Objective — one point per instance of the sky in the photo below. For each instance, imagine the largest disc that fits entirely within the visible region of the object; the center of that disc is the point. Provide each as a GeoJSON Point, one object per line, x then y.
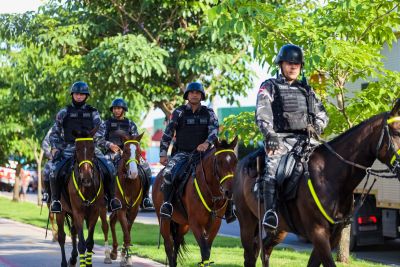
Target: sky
{"type": "Point", "coordinates": [21, 6]}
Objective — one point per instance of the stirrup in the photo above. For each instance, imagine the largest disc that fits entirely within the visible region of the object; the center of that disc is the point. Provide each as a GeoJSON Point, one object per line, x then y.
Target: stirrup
{"type": "Point", "coordinates": [117, 204]}
{"type": "Point", "coordinates": [55, 209]}
{"type": "Point", "coordinates": [147, 204]}
{"type": "Point", "coordinates": [267, 214]}
{"type": "Point", "coordinates": [166, 210]}
{"type": "Point", "coordinates": [45, 197]}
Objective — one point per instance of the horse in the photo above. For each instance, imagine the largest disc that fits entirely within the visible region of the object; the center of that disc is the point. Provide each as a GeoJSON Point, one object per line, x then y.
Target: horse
{"type": "Point", "coordinates": [81, 200]}
{"type": "Point", "coordinates": [324, 201]}
{"type": "Point", "coordinates": [129, 190]}
{"type": "Point", "coordinates": [202, 204]}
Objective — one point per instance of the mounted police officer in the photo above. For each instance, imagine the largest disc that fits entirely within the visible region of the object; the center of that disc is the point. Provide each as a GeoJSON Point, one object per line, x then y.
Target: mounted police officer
{"type": "Point", "coordinates": [195, 128]}
{"type": "Point", "coordinates": [287, 109]}
{"type": "Point", "coordinates": [113, 143]}
{"type": "Point", "coordinates": [77, 116]}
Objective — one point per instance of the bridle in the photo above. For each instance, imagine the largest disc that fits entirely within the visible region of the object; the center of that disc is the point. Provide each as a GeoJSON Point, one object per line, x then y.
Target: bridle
{"type": "Point", "coordinates": [85, 161]}
{"type": "Point", "coordinates": [221, 196]}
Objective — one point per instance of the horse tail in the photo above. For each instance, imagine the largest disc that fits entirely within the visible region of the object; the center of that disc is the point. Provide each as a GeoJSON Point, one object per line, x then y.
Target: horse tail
{"type": "Point", "coordinates": [179, 242]}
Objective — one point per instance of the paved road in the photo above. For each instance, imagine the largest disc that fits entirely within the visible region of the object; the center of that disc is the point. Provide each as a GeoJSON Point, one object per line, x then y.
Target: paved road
{"type": "Point", "coordinates": [24, 245]}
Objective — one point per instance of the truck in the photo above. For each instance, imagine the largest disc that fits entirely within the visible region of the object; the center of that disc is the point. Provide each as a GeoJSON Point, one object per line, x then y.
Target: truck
{"type": "Point", "coordinates": [379, 217]}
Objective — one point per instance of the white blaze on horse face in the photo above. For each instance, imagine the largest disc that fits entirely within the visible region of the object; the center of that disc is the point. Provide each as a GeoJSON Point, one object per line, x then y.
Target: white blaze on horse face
{"type": "Point", "coordinates": [133, 169]}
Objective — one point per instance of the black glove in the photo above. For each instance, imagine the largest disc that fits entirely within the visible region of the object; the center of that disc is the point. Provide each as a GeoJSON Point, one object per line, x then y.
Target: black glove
{"type": "Point", "coordinates": [272, 142]}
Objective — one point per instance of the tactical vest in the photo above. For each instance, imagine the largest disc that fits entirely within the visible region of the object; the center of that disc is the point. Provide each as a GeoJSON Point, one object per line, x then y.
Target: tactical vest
{"type": "Point", "coordinates": [290, 107]}
{"type": "Point", "coordinates": [79, 119]}
{"type": "Point", "coordinates": [192, 129]}
{"type": "Point", "coordinates": [113, 125]}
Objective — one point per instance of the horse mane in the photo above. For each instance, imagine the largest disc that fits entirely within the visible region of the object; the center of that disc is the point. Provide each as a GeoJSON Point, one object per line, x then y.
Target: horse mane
{"type": "Point", "coordinates": [350, 132]}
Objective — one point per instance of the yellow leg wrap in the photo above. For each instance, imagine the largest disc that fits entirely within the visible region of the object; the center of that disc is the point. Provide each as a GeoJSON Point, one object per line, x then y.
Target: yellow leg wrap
{"type": "Point", "coordinates": [82, 260]}
{"type": "Point", "coordinates": [89, 257]}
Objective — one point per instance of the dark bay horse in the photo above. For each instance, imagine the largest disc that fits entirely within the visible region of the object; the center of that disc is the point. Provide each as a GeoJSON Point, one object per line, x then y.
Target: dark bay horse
{"type": "Point", "coordinates": [332, 180]}
{"type": "Point", "coordinates": [203, 203]}
{"type": "Point", "coordinates": [129, 190]}
{"type": "Point", "coordinates": [81, 201]}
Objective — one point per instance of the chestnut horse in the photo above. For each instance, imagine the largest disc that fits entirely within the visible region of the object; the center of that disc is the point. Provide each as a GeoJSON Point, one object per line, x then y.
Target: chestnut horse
{"type": "Point", "coordinates": [129, 189]}
{"type": "Point", "coordinates": [324, 200]}
{"type": "Point", "coordinates": [81, 201]}
{"type": "Point", "coordinates": [202, 205]}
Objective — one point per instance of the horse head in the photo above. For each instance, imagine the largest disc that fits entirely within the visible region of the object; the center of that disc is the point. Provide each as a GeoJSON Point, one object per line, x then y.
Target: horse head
{"type": "Point", "coordinates": [388, 148]}
{"type": "Point", "coordinates": [84, 155]}
{"type": "Point", "coordinates": [131, 153]}
{"type": "Point", "coordinates": [224, 165]}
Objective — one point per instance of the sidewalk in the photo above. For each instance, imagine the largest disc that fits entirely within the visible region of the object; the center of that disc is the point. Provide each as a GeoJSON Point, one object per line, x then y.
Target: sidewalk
{"type": "Point", "coordinates": [24, 245]}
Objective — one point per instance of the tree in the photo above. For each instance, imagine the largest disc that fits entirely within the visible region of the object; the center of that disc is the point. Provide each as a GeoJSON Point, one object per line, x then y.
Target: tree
{"type": "Point", "coordinates": [342, 41]}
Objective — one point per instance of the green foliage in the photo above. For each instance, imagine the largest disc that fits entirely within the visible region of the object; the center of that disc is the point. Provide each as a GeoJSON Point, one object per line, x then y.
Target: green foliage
{"type": "Point", "coordinates": [342, 41]}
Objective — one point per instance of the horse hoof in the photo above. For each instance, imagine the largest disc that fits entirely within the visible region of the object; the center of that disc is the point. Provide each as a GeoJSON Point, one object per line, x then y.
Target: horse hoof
{"type": "Point", "coordinates": [107, 260]}
{"type": "Point", "coordinates": [113, 255]}
{"type": "Point", "coordinates": [70, 264]}
{"type": "Point", "coordinates": [129, 262]}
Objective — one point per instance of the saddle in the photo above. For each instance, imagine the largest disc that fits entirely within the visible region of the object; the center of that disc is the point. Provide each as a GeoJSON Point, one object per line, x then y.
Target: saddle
{"type": "Point", "coordinates": [182, 172]}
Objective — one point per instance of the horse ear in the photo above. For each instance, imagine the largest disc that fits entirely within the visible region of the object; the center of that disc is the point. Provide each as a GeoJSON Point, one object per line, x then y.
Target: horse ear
{"type": "Point", "coordinates": [396, 108]}
{"type": "Point", "coordinates": [93, 131]}
{"type": "Point", "coordinates": [216, 142]}
{"type": "Point", "coordinates": [139, 137]}
{"type": "Point", "coordinates": [76, 133]}
{"type": "Point", "coordinates": [234, 142]}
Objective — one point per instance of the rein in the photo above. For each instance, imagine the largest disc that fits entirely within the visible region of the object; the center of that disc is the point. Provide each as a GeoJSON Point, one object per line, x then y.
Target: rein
{"type": "Point", "coordinates": [395, 162]}
{"type": "Point", "coordinates": [221, 181]}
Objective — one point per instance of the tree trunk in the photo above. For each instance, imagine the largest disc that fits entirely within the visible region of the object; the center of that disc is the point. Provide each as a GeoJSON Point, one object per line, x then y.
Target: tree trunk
{"type": "Point", "coordinates": [343, 251]}
{"type": "Point", "coordinates": [17, 184]}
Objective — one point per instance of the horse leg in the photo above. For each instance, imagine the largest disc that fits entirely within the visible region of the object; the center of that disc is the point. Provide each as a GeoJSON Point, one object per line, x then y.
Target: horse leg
{"type": "Point", "coordinates": [320, 237]}
{"type": "Point", "coordinates": [61, 238]}
{"type": "Point", "coordinates": [81, 245]}
{"type": "Point", "coordinates": [113, 221]}
{"type": "Point", "coordinates": [132, 215]}
{"type": "Point", "coordinates": [104, 227]}
{"type": "Point", "coordinates": [270, 243]}
{"type": "Point", "coordinates": [74, 253]}
{"type": "Point", "coordinates": [165, 230]}
{"type": "Point", "coordinates": [89, 241]}
{"type": "Point", "coordinates": [249, 237]}
{"type": "Point", "coordinates": [179, 239]}
{"type": "Point", "coordinates": [53, 227]}
{"type": "Point", "coordinates": [127, 239]}
{"type": "Point", "coordinates": [198, 233]}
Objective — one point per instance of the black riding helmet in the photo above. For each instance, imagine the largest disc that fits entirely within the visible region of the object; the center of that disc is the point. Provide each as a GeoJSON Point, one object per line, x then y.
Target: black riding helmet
{"type": "Point", "coordinates": [80, 87]}
{"type": "Point", "coordinates": [290, 53]}
{"type": "Point", "coordinates": [119, 102]}
{"type": "Point", "coordinates": [195, 86]}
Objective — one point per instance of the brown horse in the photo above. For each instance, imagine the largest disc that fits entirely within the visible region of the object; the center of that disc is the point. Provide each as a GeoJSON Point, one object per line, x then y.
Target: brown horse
{"type": "Point", "coordinates": [335, 169]}
{"type": "Point", "coordinates": [129, 190]}
{"type": "Point", "coordinates": [81, 201]}
{"type": "Point", "coordinates": [202, 205]}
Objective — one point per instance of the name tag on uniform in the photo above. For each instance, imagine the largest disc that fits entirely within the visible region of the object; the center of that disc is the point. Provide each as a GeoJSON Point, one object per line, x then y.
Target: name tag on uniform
{"type": "Point", "coordinates": [73, 115]}
{"type": "Point", "coordinates": [190, 121]}
{"type": "Point", "coordinates": [203, 121]}
{"type": "Point", "coordinates": [86, 115]}
{"type": "Point", "coordinates": [113, 124]}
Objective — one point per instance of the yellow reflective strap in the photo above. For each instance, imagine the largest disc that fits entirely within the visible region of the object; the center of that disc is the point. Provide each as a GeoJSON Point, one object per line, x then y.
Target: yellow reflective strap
{"type": "Point", "coordinates": [82, 259]}
{"type": "Point", "coordinates": [76, 186]}
{"type": "Point", "coordinates": [130, 160]}
{"type": "Point", "coordinates": [315, 197]}
{"type": "Point", "coordinates": [120, 188]}
{"type": "Point", "coordinates": [131, 141]}
{"type": "Point", "coordinates": [393, 119]}
{"type": "Point", "coordinates": [225, 178]}
{"type": "Point", "coordinates": [224, 150]}
{"type": "Point", "coordinates": [394, 157]}
{"type": "Point", "coordinates": [84, 139]}
{"type": "Point", "coordinates": [98, 192]}
{"type": "Point", "coordinates": [140, 194]}
{"type": "Point", "coordinates": [200, 195]}
{"type": "Point", "coordinates": [85, 161]}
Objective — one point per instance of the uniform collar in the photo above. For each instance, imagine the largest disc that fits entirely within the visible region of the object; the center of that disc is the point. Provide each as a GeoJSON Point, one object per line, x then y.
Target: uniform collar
{"type": "Point", "coordinates": [282, 79]}
{"type": "Point", "coordinates": [80, 107]}
{"type": "Point", "coordinates": [188, 106]}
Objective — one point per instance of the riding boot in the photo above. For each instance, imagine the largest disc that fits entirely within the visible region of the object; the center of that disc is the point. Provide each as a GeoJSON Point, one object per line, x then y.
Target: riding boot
{"type": "Point", "coordinates": [109, 187]}
{"type": "Point", "coordinates": [46, 190]}
{"type": "Point", "coordinates": [270, 220]}
{"type": "Point", "coordinates": [147, 203]}
{"type": "Point", "coordinates": [167, 208]}
{"type": "Point", "coordinates": [55, 195]}
{"type": "Point", "coordinates": [229, 213]}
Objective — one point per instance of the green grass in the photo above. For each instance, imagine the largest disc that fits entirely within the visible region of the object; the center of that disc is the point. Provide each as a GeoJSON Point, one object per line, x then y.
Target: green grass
{"type": "Point", "coordinates": [225, 252]}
